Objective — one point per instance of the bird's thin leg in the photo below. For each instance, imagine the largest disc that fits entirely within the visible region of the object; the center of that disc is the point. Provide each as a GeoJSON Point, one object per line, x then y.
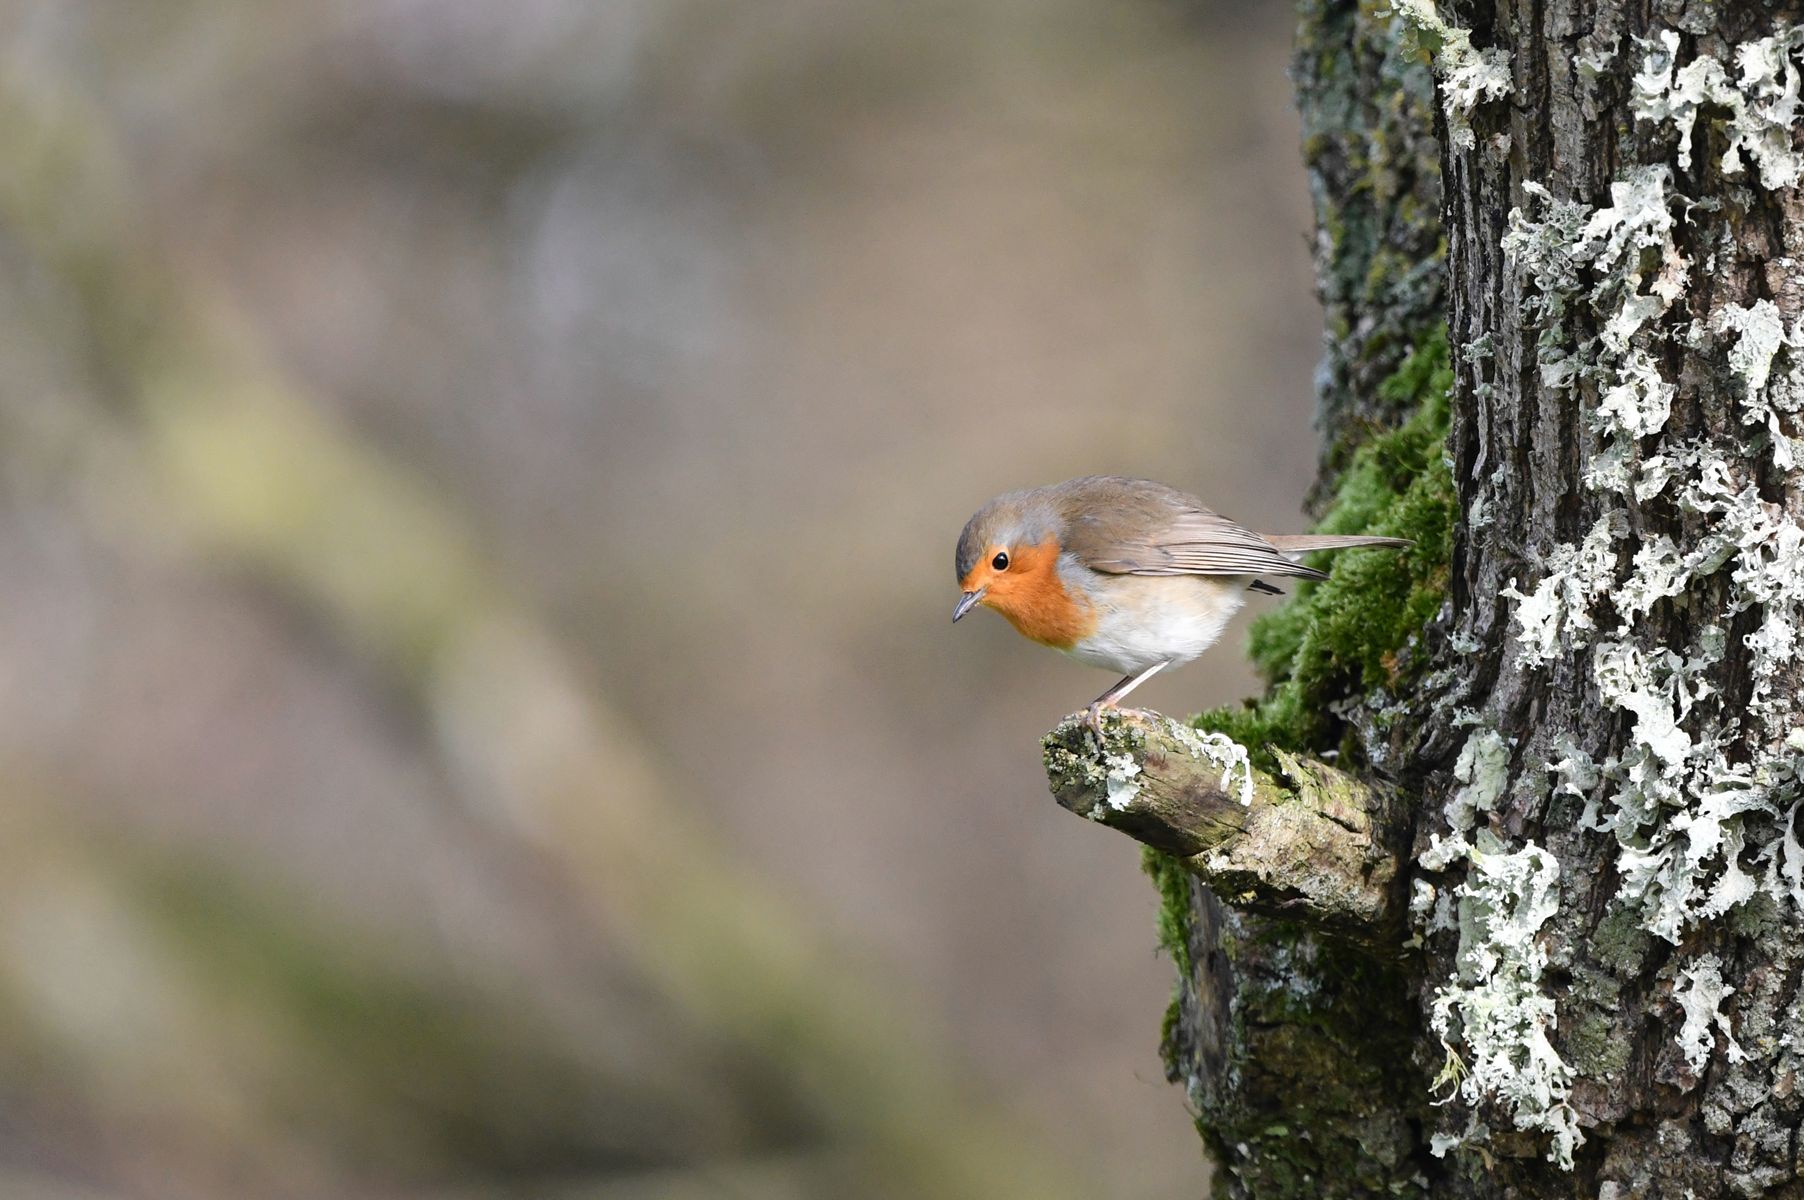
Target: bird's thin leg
{"type": "Point", "coordinates": [1113, 696]}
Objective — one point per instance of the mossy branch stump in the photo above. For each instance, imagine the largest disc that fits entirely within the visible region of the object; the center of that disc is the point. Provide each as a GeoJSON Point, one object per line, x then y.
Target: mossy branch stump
{"type": "Point", "coordinates": [1307, 843]}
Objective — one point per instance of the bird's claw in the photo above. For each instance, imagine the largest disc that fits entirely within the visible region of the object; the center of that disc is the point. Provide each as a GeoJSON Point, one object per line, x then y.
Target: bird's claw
{"type": "Point", "coordinates": [1093, 718]}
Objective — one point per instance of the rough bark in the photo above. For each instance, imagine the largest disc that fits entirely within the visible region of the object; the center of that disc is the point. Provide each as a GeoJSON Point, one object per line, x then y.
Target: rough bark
{"type": "Point", "coordinates": [1375, 184]}
{"type": "Point", "coordinates": [1597, 991]}
{"type": "Point", "coordinates": [1665, 1108]}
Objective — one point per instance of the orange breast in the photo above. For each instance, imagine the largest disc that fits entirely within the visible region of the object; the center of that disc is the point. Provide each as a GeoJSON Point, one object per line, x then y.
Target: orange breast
{"type": "Point", "coordinates": [1035, 601]}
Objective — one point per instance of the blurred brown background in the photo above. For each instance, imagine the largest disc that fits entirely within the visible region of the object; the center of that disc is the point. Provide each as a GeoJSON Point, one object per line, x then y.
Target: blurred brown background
{"type": "Point", "coordinates": [478, 484]}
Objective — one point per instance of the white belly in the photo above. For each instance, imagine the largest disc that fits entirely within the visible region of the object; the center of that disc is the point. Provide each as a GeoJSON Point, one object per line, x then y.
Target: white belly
{"type": "Point", "coordinates": [1158, 619]}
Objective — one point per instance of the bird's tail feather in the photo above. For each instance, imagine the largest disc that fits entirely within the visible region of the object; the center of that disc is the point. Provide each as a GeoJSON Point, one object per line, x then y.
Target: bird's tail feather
{"type": "Point", "coordinates": [1303, 543]}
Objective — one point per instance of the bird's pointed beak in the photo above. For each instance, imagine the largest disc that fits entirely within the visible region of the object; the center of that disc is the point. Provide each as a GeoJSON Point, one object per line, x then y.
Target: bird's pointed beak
{"type": "Point", "coordinates": [967, 602]}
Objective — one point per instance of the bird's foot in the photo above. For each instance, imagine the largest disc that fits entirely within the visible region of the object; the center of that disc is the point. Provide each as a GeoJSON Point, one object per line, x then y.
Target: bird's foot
{"type": "Point", "coordinates": [1113, 697]}
{"type": "Point", "coordinates": [1093, 718]}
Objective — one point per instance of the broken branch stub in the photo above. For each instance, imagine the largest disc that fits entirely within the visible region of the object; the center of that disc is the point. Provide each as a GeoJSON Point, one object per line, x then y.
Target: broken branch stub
{"type": "Point", "coordinates": [1310, 843]}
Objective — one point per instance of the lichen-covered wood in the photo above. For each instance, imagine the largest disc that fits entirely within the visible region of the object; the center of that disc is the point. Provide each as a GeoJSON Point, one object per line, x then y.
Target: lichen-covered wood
{"type": "Point", "coordinates": [1623, 238]}
{"type": "Point", "coordinates": [1307, 842]}
{"type": "Point", "coordinates": [1588, 677]}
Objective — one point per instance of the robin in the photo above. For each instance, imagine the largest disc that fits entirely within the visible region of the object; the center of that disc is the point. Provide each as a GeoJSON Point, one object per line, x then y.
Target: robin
{"type": "Point", "coordinates": [1122, 573]}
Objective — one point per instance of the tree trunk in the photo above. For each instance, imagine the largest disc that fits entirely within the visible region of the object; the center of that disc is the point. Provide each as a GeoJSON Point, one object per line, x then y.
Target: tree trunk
{"type": "Point", "coordinates": [1580, 686]}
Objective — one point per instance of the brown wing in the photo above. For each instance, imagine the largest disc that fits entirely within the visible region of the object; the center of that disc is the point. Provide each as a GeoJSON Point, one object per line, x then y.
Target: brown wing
{"type": "Point", "coordinates": [1137, 527]}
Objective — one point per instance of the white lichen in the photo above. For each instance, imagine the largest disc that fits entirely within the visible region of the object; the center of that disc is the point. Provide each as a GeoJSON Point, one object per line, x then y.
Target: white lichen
{"type": "Point", "coordinates": [1762, 101]}
{"type": "Point", "coordinates": [1483, 772]}
{"type": "Point", "coordinates": [1468, 76]}
{"type": "Point", "coordinates": [1224, 752]}
{"type": "Point", "coordinates": [1785, 868]}
{"type": "Point", "coordinates": [1658, 572]}
{"type": "Point", "coordinates": [1575, 772]}
{"type": "Point", "coordinates": [1700, 993]}
{"type": "Point", "coordinates": [1760, 334]}
{"type": "Point", "coordinates": [1122, 780]}
{"type": "Point", "coordinates": [1572, 579]}
{"type": "Point", "coordinates": [1440, 1143]}
{"type": "Point", "coordinates": [1703, 798]}
{"type": "Point", "coordinates": [1494, 1007]}
{"type": "Point", "coordinates": [1619, 265]}
{"type": "Point", "coordinates": [1670, 798]}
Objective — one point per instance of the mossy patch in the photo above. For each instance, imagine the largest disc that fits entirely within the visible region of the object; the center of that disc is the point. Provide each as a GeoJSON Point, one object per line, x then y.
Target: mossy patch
{"type": "Point", "coordinates": [1589, 1010]}
{"type": "Point", "coordinates": [1309, 1059]}
{"type": "Point", "coordinates": [1620, 943]}
{"type": "Point", "coordinates": [1173, 882]}
{"type": "Point", "coordinates": [1367, 104]}
{"type": "Point", "coordinates": [1348, 634]}
{"type": "Point", "coordinates": [1334, 640]}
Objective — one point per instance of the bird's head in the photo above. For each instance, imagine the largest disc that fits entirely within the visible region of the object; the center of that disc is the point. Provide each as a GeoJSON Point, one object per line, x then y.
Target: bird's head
{"type": "Point", "coordinates": [1007, 554]}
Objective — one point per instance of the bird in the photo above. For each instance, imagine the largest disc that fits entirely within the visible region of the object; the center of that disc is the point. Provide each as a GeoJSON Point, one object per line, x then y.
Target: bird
{"type": "Point", "coordinates": [1122, 573]}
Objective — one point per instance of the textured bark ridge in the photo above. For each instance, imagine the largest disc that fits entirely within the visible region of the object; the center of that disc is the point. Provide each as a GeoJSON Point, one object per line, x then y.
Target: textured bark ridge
{"type": "Point", "coordinates": [1590, 693]}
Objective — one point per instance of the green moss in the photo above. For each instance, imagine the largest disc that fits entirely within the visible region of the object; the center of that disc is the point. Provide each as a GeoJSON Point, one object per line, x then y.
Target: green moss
{"type": "Point", "coordinates": [1757, 918]}
{"type": "Point", "coordinates": [1368, 109]}
{"type": "Point", "coordinates": [1309, 1058]}
{"type": "Point", "coordinates": [1346, 635]}
{"type": "Point", "coordinates": [1173, 883]}
{"type": "Point", "coordinates": [1594, 1047]}
{"type": "Point", "coordinates": [1620, 943]}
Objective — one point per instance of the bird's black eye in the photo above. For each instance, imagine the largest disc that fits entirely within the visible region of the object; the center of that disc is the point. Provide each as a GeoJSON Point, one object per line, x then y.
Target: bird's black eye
{"type": "Point", "coordinates": [1000, 562]}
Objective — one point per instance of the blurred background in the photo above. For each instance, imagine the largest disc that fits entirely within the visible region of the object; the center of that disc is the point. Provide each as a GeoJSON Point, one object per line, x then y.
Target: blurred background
{"type": "Point", "coordinates": [478, 484]}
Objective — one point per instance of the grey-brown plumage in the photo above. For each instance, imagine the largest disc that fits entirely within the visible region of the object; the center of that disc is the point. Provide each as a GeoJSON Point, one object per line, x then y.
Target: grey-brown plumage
{"type": "Point", "coordinates": [1122, 573]}
{"type": "Point", "coordinates": [1124, 526]}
